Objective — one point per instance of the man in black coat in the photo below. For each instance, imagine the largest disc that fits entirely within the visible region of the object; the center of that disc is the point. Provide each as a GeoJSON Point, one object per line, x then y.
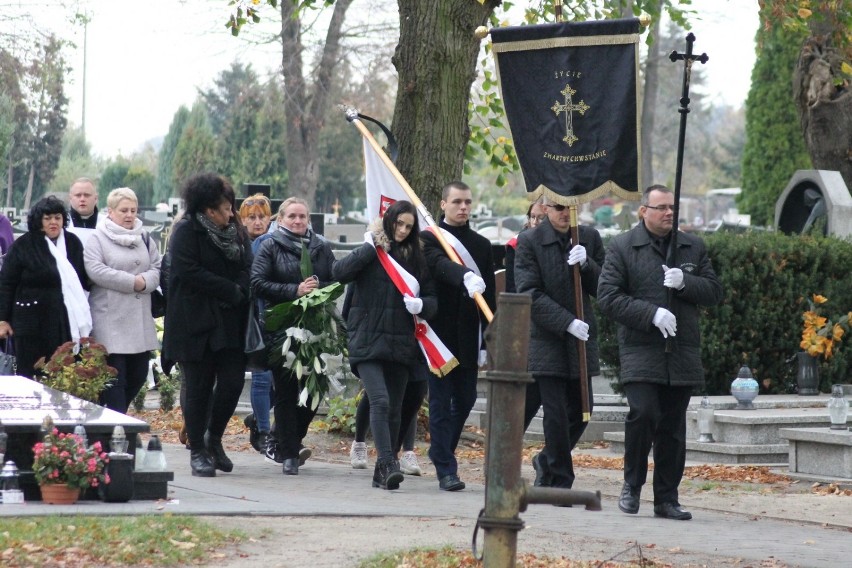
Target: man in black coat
{"type": "Point", "coordinates": [633, 290]}
{"type": "Point", "coordinates": [544, 268]}
{"type": "Point", "coordinates": [459, 324]}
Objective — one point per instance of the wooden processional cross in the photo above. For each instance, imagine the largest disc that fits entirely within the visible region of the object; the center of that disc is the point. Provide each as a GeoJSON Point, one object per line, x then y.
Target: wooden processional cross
{"type": "Point", "coordinates": [568, 107]}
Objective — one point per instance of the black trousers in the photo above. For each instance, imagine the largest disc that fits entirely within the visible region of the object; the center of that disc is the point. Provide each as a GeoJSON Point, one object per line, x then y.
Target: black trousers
{"type": "Point", "coordinates": [657, 418]}
{"type": "Point", "coordinates": [563, 423]}
{"type": "Point", "coordinates": [213, 385]}
{"type": "Point", "coordinates": [132, 373]}
{"type": "Point", "coordinates": [385, 383]}
{"type": "Point", "coordinates": [291, 420]}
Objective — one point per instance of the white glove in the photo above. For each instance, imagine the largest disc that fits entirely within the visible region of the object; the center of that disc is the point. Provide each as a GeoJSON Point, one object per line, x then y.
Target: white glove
{"type": "Point", "coordinates": [483, 357]}
{"type": "Point", "coordinates": [579, 329]}
{"type": "Point", "coordinates": [577, 255]}
{"type": "Point", "coordinates": [412, 304]}
{"type": "Point", "coordinates": [666, 321]}
{"type": "Point", "coordinates": [474, 284]}
{"type": "Point", "coordinates": [673, 278]}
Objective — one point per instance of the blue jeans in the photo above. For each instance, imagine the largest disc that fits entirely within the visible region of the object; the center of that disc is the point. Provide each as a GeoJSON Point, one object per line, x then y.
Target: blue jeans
{"type": "Point", "coordinates": [450, 400]}
{"type": "Point", "coordinates": [261, 398]}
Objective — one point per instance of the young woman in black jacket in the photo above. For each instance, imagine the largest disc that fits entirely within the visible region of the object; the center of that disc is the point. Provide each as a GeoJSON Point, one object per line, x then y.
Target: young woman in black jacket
{"type": "Point", "coordinates": [381, 325]}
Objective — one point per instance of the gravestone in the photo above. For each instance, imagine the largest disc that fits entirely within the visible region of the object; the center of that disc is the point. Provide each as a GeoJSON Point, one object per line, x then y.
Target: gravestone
{"type": "Point", "coordinates": [24, 403]}
{"type": "Point", "coordinates": [813, 197]}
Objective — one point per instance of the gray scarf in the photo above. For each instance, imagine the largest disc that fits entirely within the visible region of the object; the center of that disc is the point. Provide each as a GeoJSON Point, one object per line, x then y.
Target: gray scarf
{"type": "Point", "coordinates": [223, 239]}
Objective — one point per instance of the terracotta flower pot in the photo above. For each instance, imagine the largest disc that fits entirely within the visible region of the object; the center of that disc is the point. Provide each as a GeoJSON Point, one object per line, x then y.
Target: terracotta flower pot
{"type": "Point", "coordinates": [59, 494]}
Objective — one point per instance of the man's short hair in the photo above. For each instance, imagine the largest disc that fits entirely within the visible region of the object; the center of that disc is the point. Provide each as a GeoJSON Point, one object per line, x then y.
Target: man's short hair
{"type": "Point", "coordinates": [453, 185]}
{"type": "Point", "coordinates": [656, 187]}
{"type": "Point", "coordinates": [84, 180]}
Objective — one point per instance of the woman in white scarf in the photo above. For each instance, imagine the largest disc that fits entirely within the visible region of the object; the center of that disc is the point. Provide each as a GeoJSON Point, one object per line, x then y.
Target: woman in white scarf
{"type": "Point", "coordinates": [42, 298]}
{"type": "Point", "coordinates": [123, 263]}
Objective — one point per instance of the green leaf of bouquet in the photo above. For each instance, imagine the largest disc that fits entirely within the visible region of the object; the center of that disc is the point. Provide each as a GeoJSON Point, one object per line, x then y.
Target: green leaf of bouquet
{"type": "Point", "coordinates": [305, 263]}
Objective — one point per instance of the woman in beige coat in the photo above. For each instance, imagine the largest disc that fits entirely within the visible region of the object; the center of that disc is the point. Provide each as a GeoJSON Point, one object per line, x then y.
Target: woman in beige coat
{"type": "Point", "coordinates": [123, 264]}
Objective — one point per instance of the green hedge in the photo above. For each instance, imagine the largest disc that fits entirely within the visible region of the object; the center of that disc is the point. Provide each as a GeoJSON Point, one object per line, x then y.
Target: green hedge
{"type": "Point", "coordinates": [767, 278]}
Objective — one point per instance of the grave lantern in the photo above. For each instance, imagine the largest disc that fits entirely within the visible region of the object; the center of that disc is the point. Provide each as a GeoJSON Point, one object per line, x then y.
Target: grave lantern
{"type": "Point", "coordinates": [706, 419]}
{"type": "Point", "coordinates": [838, 408]}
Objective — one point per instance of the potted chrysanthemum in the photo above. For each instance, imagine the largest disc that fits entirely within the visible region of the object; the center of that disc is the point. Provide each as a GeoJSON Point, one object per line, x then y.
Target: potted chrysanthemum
{"type": "Point", "coordinates": [63, 467]}
{"type": "Point", "coordinates": [79, 369]}
{"type": "Point", "coordinates": [821, 335]}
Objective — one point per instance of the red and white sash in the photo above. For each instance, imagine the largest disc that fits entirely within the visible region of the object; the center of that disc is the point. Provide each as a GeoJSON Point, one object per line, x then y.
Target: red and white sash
{"type": "Point", "coordinates": [441, 361]}
{"type": "Point", "coordinates": [456, 245]}
{"type": "Point", "coordinates": [466, 258]}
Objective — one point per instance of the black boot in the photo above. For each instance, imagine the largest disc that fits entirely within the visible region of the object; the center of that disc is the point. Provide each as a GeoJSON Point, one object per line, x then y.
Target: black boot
{"type": "Point", "coordinates": [251, 423]}
{"type": "Point", "coordinates": [262, 441]}
{"type": "Point", "coordinates": [387, 474]}
{"type": "Point", "coordinates": [201, 464]}
{"type": "Point", "coordinates": [217, 452]}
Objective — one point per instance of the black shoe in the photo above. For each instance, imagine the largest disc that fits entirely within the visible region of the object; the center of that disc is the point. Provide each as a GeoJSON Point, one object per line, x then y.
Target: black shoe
{"type": "Point", "coordinates": [291, 466]}
{"type": "Point", "coordinates": [201, 464]}
{"type": "Point", "coordinates": [629, 500]}
{"type": "Point", "coordinates": [542, 475]}
{"type": "Point", "coordinates": [304, 455]}
{"type": "Point", "coordinates": [387, 474]}
{"type": "Point", "coordinates": [251, 423]}
{"type": "Point", "coordinates": [671, 511]}
{"type": "Point", "coordinates": [272, 455]}
{"type": "Point", "coordinates": [451, 483]}
{"type": "Point", "coordinates": [217, 452]}
{"type": "Point", "coordinates": [263, 441]}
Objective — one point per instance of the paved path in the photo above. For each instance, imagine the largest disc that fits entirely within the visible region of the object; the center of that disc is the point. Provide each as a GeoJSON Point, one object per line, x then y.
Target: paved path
{"type": "Point", "coordinates": [338, 493]}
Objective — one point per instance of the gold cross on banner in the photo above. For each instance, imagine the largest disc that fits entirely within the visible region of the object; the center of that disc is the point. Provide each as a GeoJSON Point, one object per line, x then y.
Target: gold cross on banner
{"type": "Point", "coordinates": [568, 108]}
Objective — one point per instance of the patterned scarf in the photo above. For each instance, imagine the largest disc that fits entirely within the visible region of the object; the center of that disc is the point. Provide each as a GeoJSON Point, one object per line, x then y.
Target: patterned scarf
{"type": "Point", "coordinates": [223, 239]}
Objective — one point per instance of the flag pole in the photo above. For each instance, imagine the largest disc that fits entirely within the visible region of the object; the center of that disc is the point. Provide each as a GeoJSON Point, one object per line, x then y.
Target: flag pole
{"type": "Point", "coordinates": [352, 116]}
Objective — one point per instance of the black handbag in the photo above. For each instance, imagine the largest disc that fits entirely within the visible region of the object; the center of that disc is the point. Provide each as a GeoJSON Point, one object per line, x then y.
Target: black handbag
{"type": "Point", "coordinates": [254, 346]}
{"type": "Point", "coordinates": [8, 361]}
{"type": "Point", "coordinates": [158, 304]}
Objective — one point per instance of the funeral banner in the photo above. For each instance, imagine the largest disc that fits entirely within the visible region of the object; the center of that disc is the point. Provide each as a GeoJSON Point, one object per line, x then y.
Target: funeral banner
{"type": "Point", "coordinates": [570, 95]}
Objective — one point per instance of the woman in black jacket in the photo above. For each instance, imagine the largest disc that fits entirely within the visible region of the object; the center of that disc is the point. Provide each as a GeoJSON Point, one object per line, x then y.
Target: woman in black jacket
{"type": "Point", "coordinates": [42, 302]}
{"type": "Point", "coordinates": [207, 310]}
{"type": "Point", "coordinates": [276, 277]}
{"type": "Point", "coordinates": [381, 324]}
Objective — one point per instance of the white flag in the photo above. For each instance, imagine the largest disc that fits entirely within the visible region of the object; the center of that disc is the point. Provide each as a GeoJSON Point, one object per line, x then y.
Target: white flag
{"type": "Point", "coordinates": [383, 189]}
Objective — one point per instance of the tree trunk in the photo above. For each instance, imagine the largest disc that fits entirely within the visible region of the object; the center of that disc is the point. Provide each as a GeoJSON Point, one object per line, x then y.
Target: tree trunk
{"type": "Point", "coordinates": [649, 104]}
{"type": "Point", "coordinates": [28, 196]}
{"type": "Point", "coordinates": [825, 111]}
{"type": "Point", "coordinates": [305, 111]}
{"type": "Point", "coordinates": [436, 67]}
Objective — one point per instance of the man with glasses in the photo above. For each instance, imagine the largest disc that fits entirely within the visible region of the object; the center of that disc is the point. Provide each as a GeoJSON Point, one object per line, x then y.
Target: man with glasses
{"type": "Point", "coordinates": [634, 291]}
{"type": "Point", "coordinates": [544, 268]}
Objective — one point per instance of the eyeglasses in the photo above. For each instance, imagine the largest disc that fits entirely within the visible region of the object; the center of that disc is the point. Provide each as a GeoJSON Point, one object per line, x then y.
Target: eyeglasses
{"type": "Point", "coordinates": [538, 218]}
{"type": "Point", "coordinates": [558, 207]}
{"type": "Point", "coordinates": [661, 207]}
{"type": "Point", "coordinates": [256, 201]}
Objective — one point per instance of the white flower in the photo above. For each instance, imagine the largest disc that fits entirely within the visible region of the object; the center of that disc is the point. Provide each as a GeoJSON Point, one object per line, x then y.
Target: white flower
{"type": "Point", "coordinates": [317, 365]}
{"type": "Point", "coordinates": [333, 363]}
{"type": "Point", "coordinates": [299, 369]}
{"type": "Point", "coordinates": [289, 359]}
{"type": "Point", "coordinates": [299, 334]}
{"type": "Point", "coordinates": [303, 397]}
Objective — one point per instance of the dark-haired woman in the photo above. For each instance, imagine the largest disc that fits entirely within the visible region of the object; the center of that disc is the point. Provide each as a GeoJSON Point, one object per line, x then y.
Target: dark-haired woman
{"type": "Point", "coordinates": [42, 299]}
{"type": "Point", "coordinates": [381, 324]}
{"type": "Point", "coordinates": [206, 311]}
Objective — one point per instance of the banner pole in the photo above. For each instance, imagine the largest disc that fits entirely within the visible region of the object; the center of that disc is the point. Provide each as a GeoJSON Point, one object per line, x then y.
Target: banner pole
{"type": "Point", "coordinates": [578, 311]}
{"type": "Point", "coordinates": [352, 116]}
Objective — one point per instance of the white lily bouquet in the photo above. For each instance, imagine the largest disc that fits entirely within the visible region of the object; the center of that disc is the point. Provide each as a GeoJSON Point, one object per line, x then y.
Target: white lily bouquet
{"type": "Point", "coordinates": [308, 336]}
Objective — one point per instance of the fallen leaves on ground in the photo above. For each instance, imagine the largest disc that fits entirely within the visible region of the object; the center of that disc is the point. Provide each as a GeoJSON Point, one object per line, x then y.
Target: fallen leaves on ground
{"type": "Point", "coordinates": [735, 473]}
{"type": "Point", "coordinates": [830, 489]}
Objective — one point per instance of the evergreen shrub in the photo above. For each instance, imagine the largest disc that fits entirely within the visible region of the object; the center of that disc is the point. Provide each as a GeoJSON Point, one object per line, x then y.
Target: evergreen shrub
{"type": "Point", "coordinates": [767, 278]}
